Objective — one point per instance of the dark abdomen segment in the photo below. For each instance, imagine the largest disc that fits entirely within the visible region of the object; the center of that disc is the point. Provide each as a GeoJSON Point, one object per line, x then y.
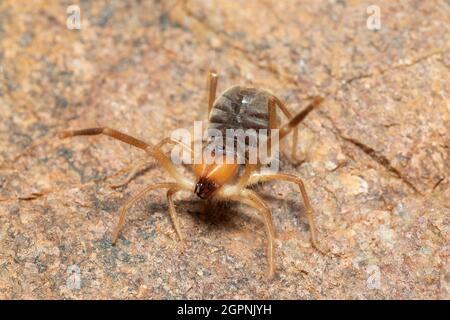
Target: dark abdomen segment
{"type": "Point", "coordinates": [239, 108]}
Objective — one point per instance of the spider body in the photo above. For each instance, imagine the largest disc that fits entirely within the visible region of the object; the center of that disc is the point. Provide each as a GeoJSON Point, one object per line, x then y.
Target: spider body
{"type": "Point", "coordinates": [242, 110]}
{"type": "Point", "coordinates": [237, 108]}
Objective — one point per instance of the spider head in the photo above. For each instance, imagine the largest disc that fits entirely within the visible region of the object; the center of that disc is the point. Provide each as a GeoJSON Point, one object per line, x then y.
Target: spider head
{"type": "Point", "coordinates": [212, 177]}
{"type": "Point", "coordinates": [205, 187]}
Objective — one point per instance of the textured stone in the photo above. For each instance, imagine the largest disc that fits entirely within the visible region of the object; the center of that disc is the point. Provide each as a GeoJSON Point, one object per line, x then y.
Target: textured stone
{"type": "Point", "coordinates": [376, 153]}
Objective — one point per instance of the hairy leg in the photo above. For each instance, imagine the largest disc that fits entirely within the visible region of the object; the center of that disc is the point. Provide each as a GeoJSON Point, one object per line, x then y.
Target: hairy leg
{"type": "Point", "coordinates": [139, 166]}
{"type": "Point", "coordinates": [106, 131]}
{"type": "Point", "coordinates": [309, 211]}
{"type": "Point", "coordinates": [169, 140]}
{"type": "Point", "coordinates": [273, 121]}
{"type": "Point", "coordinates": [132, 201]}
{"type": "Point", "coordinates": [173, 214]}
{"type": "Point", "coordinates": [152, 150]}
{"type": "Point", "coordinates": [294, 121]}
{"type": "Point", "coordinates": [288, 115]}
{"type": "Point", "coordinates": [212, 88]}
{"type": "Point", "coordinates": [243, 179]}
{"type": "Point", "coordinates": [252, 199]}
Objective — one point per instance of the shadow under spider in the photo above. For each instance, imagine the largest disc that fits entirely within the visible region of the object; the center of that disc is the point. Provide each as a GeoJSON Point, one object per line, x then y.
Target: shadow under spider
{"type": "Point", "coordinates": [214, 215]}
{"type": "Point", "coordinates": [220, 215]}
{"type": "Point", "coordinates": [230, 214]}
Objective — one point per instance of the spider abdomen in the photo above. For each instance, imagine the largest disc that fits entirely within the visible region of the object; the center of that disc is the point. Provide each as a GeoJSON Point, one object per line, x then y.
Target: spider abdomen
{"type": "Point", "coordinates": [241, 108]}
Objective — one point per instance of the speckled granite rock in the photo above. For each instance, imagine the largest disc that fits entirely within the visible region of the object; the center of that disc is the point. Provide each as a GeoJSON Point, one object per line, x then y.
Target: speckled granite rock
{"type": "Point", "coordinates": [377, 152]}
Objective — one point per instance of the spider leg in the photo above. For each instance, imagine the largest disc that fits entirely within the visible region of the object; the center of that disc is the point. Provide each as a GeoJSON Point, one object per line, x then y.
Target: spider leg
{"type": "Point", "coordinates": [273, 119]}
{"type": "Point", "coordinates": [212, 88]}
{"type": "Point", "coordinates": [292, 125]}
{"type": "Point", "coordinates": [106, 131]}
{"type": "Point", "coordinates": [309, 211]}
{"type": "Point", "coordinates": [173, 215]}
{"type": "Point", "coordinates": [152, 150]}
{"type": "Point", "coordinates": [170, 140]}
{"type": "Point", "coordinates": [239, 193]}
{"type": "Point", "coordinates": [299, 117]}
{"type": "Point", "coordinates": [252, 199]}
{"type": "Point", "coordinates": [132, 201]}
{"type": "Point", "coordinates": [273, 103]}
{"type": "Point", "coordinates": [138, 167]}
{"type": "Point", "coordinates": [294, 121]}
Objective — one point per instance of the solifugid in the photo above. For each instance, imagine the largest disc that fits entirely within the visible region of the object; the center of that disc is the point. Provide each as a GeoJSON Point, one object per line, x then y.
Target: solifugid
{"type": "Point", "coordinates": [225, 178]}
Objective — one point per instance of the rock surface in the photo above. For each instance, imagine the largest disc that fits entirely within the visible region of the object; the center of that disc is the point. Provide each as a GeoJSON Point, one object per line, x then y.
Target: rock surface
{"type": "Point", "coordinates": [376, 153]}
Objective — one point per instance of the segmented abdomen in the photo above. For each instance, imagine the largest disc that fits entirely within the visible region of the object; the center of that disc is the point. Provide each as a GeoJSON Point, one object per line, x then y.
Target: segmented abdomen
{"type": "Point", "coordinates": [239, 108]}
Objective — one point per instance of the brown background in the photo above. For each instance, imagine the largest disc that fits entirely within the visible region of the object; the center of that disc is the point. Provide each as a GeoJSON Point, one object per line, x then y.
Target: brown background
{"type": "Point", "coordinates": [376, 153]}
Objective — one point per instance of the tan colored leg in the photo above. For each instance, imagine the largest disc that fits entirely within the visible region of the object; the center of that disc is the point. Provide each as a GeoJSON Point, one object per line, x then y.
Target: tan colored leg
{"type": "Point", "coordinates": [212, 88]}
{"type": "Point", "coordinates": [165, 162]}
{"type": "Point", "coordinates": [292, 124]}
{"type": "Point", "coordinates": [173, 215]}
{"type": "Point", "coordinates": [152, 150]}
{"type": "Point", "coordinates": [273, 121]}
{"type": "Point", "coordinates": [173, 141]}
{"type": "Point", "coordinates": [106, 131]}
{"type": "Point", "coordinates": [139, 166]}
{"type": "Point", "coordinates": [309, 211]}
{"type": "Point", "coordinates": [299, 117]}
{"type": "Point", "coordinates": [133, 200]}
{"type": "Point", "coordinates": [288, 114]}
{"type": "Point", "coordinates": [252, 199]}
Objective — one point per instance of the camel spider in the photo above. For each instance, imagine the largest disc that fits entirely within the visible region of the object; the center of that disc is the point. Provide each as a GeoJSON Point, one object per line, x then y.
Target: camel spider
{"type": "Point", "coordinates": [236, 107]}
